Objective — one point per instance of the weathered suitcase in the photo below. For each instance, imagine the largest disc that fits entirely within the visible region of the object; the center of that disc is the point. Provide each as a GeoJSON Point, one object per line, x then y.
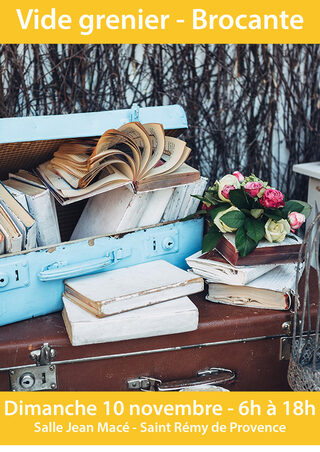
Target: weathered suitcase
{"type": "Point", "coordinates": [238, 348]}
{"type": "Point", "coordinates": [31, 282]}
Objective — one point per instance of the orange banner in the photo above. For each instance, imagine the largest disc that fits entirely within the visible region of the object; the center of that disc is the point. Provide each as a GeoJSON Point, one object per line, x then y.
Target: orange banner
{"type": "Point", "coordinates": [165, 22]}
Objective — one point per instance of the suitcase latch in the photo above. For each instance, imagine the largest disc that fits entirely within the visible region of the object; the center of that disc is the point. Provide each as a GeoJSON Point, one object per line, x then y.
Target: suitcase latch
{"type": "Point", "coordinates": [41, 377]}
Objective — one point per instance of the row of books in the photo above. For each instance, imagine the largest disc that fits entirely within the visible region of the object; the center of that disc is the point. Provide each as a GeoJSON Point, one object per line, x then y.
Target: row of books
{"type": "Point", "coordinates": [144, 300]}
{"type": "Point", "coordinates": [135, 176]}
{"type": "Point", "coordinates": [28, 216]}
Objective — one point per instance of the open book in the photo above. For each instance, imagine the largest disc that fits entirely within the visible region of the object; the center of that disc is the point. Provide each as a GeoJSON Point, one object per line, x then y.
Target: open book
{"type": "Point", "coordinates": [135, 154]}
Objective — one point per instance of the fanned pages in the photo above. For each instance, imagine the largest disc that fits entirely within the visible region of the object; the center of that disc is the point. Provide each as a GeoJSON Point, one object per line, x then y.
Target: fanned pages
{"type": "Point", "coordinates": [42, 207]}
{"type": "Point", "coordinates": [135, 154]}
{"type": "Point", "coordinates": [23, 221]}
{"type": "Point", "coordinates": [216, 269]}
{"type": "Point", "coordinates": [117, 291]}
{"type": "Point", "coordinates": [170, 317]}
{"type": "Point", "coordinates": [273, 290]}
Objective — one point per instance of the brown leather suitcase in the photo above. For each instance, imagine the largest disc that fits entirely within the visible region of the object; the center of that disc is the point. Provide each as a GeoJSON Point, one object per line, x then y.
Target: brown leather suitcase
{"type": "Point", "coordinates": [249, 346]}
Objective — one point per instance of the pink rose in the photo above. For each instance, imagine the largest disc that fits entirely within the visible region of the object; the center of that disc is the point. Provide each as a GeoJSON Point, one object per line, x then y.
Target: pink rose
{"type": "Point", "coordinates": [272, 198]}
{"type": "Point", "coordinates": [239, 176]}
{"type": "Point", "coordinates": [296, 220]}
{"type": "Point", "coordinates": [253, 188]}
{"type": "Point", "coordinates": [226, 189]}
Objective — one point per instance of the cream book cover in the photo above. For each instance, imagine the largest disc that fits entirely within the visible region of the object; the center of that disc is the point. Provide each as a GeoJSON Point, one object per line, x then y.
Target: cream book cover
{"type": "Point", "coordinates": [121, 290]}
{"type": "Point", "coordinates": [170, 317]}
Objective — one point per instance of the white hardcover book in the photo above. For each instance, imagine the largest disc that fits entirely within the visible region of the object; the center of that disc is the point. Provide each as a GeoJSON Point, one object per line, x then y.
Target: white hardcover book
{"type": "Point", "coordinates": [156, 206]}
{"type": "Point", "coordinates": [193, 203]}
{"type": "Point", "coordinates": [116, 291]}
{"type": "Point", "coordinates": [171, 212]}
{"type": "Point", "coordinates": [110, 212]}
{"type": "Point", "coordinates": [182, 203]}
{"type": "Point", "coordinates": [13, 240]}
{"type": "Point", "coordinates": [28, 178]}
{"type": "Point", "coordinates": [41, 206]}
{"type": "Point", "coordinates": [169, 317]}
{"type": "Point", "coordinates": [20, 197]}
{"type": "Point", "coordinates": [20, 216]}
{"type": "Point", "coordinates": [274, 290]}
{"type": "Point", "coordinates": [120, 210]}
{"type": "Point", "coordinates": [225, 273]}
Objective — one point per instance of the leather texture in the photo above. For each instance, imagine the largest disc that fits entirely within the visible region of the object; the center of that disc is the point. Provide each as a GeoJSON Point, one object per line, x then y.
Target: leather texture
{"type": "Point", "coordinates": [255, 361]}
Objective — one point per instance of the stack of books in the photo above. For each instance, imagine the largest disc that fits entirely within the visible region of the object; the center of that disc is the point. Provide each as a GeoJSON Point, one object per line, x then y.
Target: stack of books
{"type": "Point", "coordinates": [144, 300]}
{"type": "Point", "coordinates": [28, 216]}
{"type": "Point", "coordinates": [264, 279]}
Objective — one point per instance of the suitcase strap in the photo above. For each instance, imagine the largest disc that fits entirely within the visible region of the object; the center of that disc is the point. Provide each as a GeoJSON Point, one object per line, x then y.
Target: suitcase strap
{"type": "Point", "coordinates": [212, 376]}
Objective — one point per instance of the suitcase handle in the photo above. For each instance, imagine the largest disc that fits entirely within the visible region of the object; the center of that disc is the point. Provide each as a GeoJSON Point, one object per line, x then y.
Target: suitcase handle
{"type": "Point", "coordinates": [60, 270]}
{"type": "Point", "coordinates": [212, 376]}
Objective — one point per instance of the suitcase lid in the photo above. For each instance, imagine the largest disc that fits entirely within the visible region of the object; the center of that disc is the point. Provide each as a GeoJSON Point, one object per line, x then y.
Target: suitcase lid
{"type": "Point", "coordinates": [27, 141]}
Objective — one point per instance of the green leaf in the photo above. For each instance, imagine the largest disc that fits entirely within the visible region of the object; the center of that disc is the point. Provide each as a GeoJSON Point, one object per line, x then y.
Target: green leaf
{"type": "Point", "coordinates": [211, 239]}
{"type": "Point", "coordinates": [291, 206]}
{"type": "Point", "coordinates": [244, 244]}
{"type": "Point", "coordinates": [214, 212]}
{"type": "Point", "coordinates": [239, 199]}
{"type": "Point", "coordinates": [233, 219]}
{"type": "Point", "coordinates": [297, 206]}
{"type": "Point", "coordinates": [255, 229]}
{"type": "Point", "coordinates": [274, 214]}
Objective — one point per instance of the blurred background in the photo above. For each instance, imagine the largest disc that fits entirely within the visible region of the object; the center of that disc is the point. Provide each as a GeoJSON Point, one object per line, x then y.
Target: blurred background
{"type": "Point", "coordinates": [253, 108]}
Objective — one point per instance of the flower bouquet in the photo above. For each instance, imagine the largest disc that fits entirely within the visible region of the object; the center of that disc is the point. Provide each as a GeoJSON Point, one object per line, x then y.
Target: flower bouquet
{"type": "Point", "coordinates": [250, 208]}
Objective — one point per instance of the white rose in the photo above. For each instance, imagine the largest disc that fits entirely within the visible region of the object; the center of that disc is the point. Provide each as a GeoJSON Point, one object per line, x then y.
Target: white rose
{"type": "Point", "coordinates": [228, 179]}
{"type": "Point", "coordinates": [276, 231]}
{"type": "Point", "coordinates": [220, 224]}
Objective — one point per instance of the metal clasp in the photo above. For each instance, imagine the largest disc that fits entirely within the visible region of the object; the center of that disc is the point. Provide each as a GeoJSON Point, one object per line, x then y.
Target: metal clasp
{"type": "Point", "coordinates": [44, 356]}
{"type": "Point", "coordinates": [41, 377]}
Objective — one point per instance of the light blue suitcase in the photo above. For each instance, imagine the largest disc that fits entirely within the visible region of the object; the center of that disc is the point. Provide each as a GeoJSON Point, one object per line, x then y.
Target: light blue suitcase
{"type": "Point", "coordinates": [31, 282]}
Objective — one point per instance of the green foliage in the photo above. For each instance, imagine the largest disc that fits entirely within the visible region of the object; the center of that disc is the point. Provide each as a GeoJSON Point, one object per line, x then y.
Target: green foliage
{"type": "Point", "coordinates": [255, 229]}
{"type": "Point", "coordinates": [211, 239]}
{"type": "Point", "coordinates": [239, 199]}
{"type": "Point", "coordinates": [233, 219]}
{"type": "Point", "coordinates": [244, 243]}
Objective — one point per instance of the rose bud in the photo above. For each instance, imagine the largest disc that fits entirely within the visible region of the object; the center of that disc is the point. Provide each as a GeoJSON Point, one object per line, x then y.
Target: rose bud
{"type": "Point", "coordinates": [226, 189]}
{"type": "Point", "coordinates": [296, 220]}
{"type": "Point", "coordinates": [253, 188]}
{"type": "Point", "coordinates": [239, 176]}
{"type": "Point", "coordinates": [272, 199]}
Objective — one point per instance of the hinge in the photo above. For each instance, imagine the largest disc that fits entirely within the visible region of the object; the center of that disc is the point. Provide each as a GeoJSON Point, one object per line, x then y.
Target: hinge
{"type": "Point", "coordinates": [42, 377]}
{"type": "Point", "coordinates": [134, 113]}
{"type": "Point", "coordinates": [143, 384]}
